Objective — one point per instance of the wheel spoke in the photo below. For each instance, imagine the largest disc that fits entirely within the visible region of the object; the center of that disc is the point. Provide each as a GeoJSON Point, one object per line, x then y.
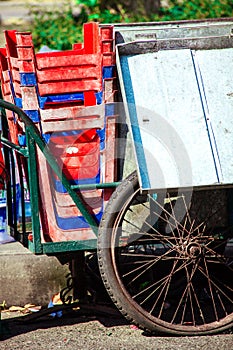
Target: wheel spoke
{"type": "Point", "coordinates": [160, 282]}
{"type": "Point", "coordinates": [176, 222]}
{"type": "Point", "coordinates": [167, 238]}
{"type": "Point", "coordinates": [198, 305]}
{"type": "Point", "coordinates": [211, 291]}
{"type": "Point", "coordinates": [217, 287]}
{"type": "Point", "coordinates": [151, 263]}
{"type": "Point", "coordinates": [189, 296]}
{"type": "Point", "coordinates": [187, 218]}
{"type": "Point", "coordinates": [166, 285]}
{"type": "Point", "coordinates": [184, 293]}
{"type": "Point", "coordinates": [169, 259]}
{"type": "Point", "coordinates": [220, 259]}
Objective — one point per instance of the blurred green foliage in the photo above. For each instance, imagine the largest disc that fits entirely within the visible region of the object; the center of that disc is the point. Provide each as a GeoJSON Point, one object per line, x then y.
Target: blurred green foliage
{"type": "Point", "coordinates": [60, 27]}
{"type": "Point", "coordinates": [55, 28]}
{"type": "Point", "coordinates": [195, 9]}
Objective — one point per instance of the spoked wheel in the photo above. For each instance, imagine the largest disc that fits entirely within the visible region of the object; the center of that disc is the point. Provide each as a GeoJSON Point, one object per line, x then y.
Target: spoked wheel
{"type": "Point", "coordinates": [166, 267]}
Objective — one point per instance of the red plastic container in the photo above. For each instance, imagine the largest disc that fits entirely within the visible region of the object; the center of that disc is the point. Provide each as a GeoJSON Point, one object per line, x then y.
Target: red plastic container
{"type": "Point", "coordinates": [78, 154]}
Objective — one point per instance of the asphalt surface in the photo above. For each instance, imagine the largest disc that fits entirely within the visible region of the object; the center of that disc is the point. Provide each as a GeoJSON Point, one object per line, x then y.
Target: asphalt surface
{"type": "Point", "coordinates": [91, 330]}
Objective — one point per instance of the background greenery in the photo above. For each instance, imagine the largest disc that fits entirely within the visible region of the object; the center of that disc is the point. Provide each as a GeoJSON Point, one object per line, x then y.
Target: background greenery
{"type": "Point", "coordinates": [61, 27]}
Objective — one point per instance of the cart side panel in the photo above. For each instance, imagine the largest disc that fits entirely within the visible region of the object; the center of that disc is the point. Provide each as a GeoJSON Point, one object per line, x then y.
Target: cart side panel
{"type": "Point", "coordinates": [179, 145]}
{"type": "Point", "coordinates": [216, 67]}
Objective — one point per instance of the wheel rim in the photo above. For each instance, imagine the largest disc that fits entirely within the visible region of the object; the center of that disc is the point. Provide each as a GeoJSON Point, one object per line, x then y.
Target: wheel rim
{"type": "Point", "coordinates": [175, 273]}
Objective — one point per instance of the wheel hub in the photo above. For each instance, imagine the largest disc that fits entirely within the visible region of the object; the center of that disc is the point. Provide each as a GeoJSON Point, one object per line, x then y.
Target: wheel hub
{"type": "Point", "coordinates": [193, 250]}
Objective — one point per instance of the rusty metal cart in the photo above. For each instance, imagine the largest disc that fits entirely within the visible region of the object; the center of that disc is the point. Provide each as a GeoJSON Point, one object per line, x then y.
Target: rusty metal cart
{"type": "Point", "coordinates": [164, 239]}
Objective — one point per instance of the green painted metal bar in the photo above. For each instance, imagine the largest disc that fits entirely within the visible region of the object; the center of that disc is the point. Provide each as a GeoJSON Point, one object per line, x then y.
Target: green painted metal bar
{"type": "Point", "coordinates": [19, 149]}
{"type": "Point", "coordinates": [68, 246]}
{"type": "Point", "coordinates": [13, 193]}
{"type": "Point", "coordinates": [34, 192]}
{"type": "Point", "coordinates": [95, 186]}
{"type": "Point", "coordinates": [8, 191]}
{"type": "Point", "coordinates": [20, 158]}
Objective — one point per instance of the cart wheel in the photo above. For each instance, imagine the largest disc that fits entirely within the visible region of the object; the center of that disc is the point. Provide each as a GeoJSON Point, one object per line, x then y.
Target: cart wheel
{"type": "Point", "coordinates": [165, 274]}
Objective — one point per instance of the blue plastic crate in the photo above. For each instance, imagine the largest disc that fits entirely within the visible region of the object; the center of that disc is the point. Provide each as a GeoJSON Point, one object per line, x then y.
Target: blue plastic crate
{"type": "Point", "coordinates": [3, 208]}
{"type": "Point", "coordinates": [58, 186]}
{"type": "Point", "coordinates": [74, 222]}
{"type": "Point", "coordinates": [3, 223]}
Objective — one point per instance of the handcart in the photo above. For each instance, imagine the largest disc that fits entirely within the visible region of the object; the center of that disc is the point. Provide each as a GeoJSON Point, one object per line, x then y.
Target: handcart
{"type": "Point", "coordinates": [163, 234]}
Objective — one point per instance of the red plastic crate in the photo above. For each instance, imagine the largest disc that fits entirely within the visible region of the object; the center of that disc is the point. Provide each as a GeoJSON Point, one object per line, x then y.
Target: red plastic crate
{"type": "Point", "coordinates": [4, 73]}
{"type": "Point", "coordinates": [107, 46]}
{"type": "Point", "coordinates": [78, 47]}
{"type": "Point", "coordinates": [29, 98]}
{"type": "Point", "coordinates": [25, 53]}
{"type": "Point", "coordinates": [91, 37]}
{"type": "Point", "coordinates": [96, 50]}
{"type": "Point", "coordinates": [7, 95]}
{"type": "Point", "coordinates": [26, 66]}
{"type": "Point", "coordinates": [78, 154]}
{"type": "Point", "coordinates": [93, 201]}
{"type": "Point", "coordinates": [61, 72]}
{"type": "Point", "coordinates": [106, 32]}
{"type": "Point", "coordinates": [109, 155]}
{"type": "Point", "coordinates": [65, 72]}
{"type": "Point", "coordinates": [23, 39]}
{"type": "Point", "coordinates": [68, 58]}
{"type": "Point", "coordinates": [109, 59]}
{"type": "Point", "coordinates": [50, 230]}
{"type": "Point", "coordinates": [110, 90]}
{"type": "Point", "coordinates": [3, 60]}
{"type": "Point", "coordinates": [72, 118]}
{"type": "Point", "coordinates": [55, 203]}
{"type": "Point", "coordinates": [5, 87]}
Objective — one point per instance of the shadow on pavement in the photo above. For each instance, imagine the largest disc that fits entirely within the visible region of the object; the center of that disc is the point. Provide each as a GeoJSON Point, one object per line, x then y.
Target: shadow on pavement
{"type": "Point", "coordinates": [72, 314]}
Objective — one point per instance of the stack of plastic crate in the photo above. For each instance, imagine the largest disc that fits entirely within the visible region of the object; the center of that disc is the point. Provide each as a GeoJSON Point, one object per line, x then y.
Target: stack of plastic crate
{"type": "Point", "coordinates": [42, 82]}
{"type": "Point", "coordinates": [8, 95]}
{"type": "Point", "coordinates": [68, 95]}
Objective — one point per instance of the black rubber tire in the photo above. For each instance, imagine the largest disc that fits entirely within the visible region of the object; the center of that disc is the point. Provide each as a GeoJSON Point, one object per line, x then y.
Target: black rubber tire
{"type": "Point", "coordinates": [118, 292]}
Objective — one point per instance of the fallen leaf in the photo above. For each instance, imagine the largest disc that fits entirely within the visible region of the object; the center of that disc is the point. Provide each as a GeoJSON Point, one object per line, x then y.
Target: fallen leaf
{"type": "Point", "coordinates": [16, 308]}
{"type": "Point", "coordinates": [56, 300]}
{"type": "Point", "coordinates": [29, 305]}
{"type": "Point", "coordinates": [34, 308]}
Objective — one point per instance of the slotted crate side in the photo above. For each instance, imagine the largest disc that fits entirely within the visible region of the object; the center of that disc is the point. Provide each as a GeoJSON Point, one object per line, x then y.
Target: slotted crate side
{"type": "Point", "coordinates": [6, 89]}
{"type": "Point", "coordinates": [78, 154]}
{"type": "Point", "coordinates": [4, 73]}
{"type": "Point", "coordinates": [42, 86]}
{"type": "Point", "coordinates": [62, 222]}
{"type": "Point", "coordinates": [49, 224]}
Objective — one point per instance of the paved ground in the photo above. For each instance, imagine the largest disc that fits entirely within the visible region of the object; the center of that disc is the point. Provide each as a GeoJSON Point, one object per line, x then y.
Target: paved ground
{"type": "Point", "coordinates": [95, 331]}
